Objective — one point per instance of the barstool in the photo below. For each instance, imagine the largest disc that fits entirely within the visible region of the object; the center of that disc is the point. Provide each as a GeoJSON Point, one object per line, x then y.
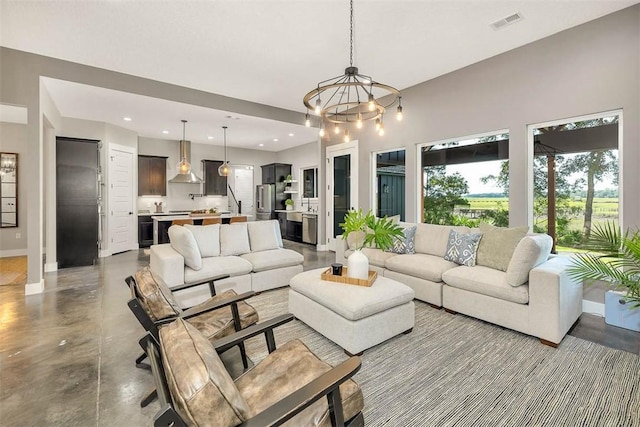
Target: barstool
{"type": "Point", "coordinates": [182, 221]}
{"type": "Point", "coordinates": [208, 221]}
{"type": "Point", "coordinates": [237, 219]}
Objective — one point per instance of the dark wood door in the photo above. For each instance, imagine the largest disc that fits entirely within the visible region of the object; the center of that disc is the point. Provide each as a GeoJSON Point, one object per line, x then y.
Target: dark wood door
{"type": "Point", "coordinates": [152, 176]}
{"type": "Point", "coordinates": [214, 184]}
{"type": "Point", "coordinates": [145, 231]}
{"type": "Point", "coordinates": [144, 172]}
{"type": "Point", "coordinates": [76, 202]}
{"type": "Point", "coordinates": [269, 174]}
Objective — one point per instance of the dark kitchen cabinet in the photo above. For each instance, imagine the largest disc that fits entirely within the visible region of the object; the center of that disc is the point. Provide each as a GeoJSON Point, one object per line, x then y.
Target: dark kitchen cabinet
{"type": "Point", "coordinates": [282, 220]}
{"type": "Point", "coordinates": [294, 231]}
{"type": "Point", "coordinates": [214, 184]}
{"type": "Point", "coordinates": [275, 172]}
{"type": "Point", "coordinates": [145, 231]}
{"type": "Point", "coordinates": [152, 176]}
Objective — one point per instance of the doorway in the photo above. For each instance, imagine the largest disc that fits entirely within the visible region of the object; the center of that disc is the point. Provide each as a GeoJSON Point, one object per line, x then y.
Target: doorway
{"type": "Point", "coordinates": [122, 222]}
{"type": "Point", "coordinates": [342, 186]}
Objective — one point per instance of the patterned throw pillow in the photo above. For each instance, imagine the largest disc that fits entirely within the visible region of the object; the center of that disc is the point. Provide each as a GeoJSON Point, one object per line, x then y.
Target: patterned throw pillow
{"type": "Point", "coordinates": [405, 245]}
{"type": "Point", "coordinates": [462, 248]}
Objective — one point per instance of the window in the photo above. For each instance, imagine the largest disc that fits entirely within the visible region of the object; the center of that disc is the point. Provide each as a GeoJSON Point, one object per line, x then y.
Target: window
{"type": "Point", "coordinates": [575, 184]}
{"type": "Point", "coordinates": [310, 182]}
{"type": "Point", "coordinates": [390, 183]}
{"type": "Point", "coordinates": [466, 180]}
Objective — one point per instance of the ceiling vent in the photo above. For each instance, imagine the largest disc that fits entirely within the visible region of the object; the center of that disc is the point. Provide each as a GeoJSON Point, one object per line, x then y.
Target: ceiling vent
{"type": "Point", "coordinates": [501, 23]}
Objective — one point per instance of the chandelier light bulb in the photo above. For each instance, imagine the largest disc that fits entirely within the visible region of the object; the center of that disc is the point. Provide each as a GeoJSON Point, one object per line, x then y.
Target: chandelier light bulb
{"type": "Point", "coordinates": [399, 113]}
{"type": "Point", "coordinates": [321, 133]}
{"type": "Point", "coordinates": [359, 121]}
{"type": "Point", "coordinates": [346, 135]}
{"type": "Point", "coordinates": [381, 130]}
{"type": "Point", "coordinates": [378, 124]}
{"type": "Point", "coordinates": [318, 109]}
{"type": "Point", "coordinates": [372, 102]}
{"type": "Point", "coordinates": [307, 122]}
{"type": "Point", "coordinates": [336, 128]}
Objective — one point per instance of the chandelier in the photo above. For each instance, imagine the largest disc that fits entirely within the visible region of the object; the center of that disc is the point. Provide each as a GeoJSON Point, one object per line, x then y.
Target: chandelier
{"type": "Point", "coordinates": [350, 98]}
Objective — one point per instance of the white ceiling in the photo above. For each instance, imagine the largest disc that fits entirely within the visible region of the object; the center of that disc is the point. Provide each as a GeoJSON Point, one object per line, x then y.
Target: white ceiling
{"type": "Point", "coordinates": [268, 51]}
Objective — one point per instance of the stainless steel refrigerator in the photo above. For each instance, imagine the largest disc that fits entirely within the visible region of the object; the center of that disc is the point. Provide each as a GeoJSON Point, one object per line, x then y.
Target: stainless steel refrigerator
{"type": "Point", "coordinates": [265, 202]}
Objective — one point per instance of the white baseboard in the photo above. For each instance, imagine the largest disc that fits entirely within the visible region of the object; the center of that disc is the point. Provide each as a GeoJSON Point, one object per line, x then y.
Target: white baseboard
{"type": "Point", "coordinates": [50, 266]}
{"type": "Point", "coordinates": [322, 248]}
{"type": "Point", "coordinates": [103, 254]}
{"type": "Point", "coordinates": [592, 307]}
{"type": "Point", "coordinates": [13, 252]}
{"type": "Point", "coordinates": [34, 288]}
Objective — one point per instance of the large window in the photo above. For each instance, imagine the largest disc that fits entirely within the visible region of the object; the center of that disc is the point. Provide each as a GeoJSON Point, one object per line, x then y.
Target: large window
{"type": "Point", "coordinates": [390, 183]}
{"type": "Point", "coordinates": [465, 181]}
{"type": "Point", "coordinates": [575, 178]}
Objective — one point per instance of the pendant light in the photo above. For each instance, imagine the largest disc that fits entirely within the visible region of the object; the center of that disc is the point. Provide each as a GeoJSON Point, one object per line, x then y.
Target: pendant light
{"type": "Point", "coordinates": [184, 167]}
{"type": "Point", "coordinates": [224, 168]}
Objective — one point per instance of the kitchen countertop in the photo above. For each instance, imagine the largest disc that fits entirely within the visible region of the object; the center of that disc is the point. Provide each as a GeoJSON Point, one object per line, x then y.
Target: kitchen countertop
{"type": "Point", "coordinates": [173, 213]}
{"type": "Point", "coordinates": [296, 211]}
{"type": "Point", "coordinates": [171, 217]}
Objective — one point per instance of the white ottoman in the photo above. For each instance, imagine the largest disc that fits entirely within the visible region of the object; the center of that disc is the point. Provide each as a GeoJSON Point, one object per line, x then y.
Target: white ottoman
{"type": "Point", "coordinates": [354, 317]}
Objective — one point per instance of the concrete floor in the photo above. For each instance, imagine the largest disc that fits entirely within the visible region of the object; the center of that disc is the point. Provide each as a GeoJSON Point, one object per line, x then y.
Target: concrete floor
{"type": "Point", "coordinates": [67, 355]}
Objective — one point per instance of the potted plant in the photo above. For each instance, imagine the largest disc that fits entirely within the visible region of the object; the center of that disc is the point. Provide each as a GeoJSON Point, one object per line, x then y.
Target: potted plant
{"type": "Point", "coordinates": [369, 230]}
{"type": "Point", "coordinates": [614, 258]}
{"type": "Point", "coordinates": [289, 204]}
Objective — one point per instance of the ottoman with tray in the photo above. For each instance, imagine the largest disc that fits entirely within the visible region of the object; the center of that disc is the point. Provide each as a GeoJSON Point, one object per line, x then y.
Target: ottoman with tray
{"type": "Point", "coordinates": [354, 317]}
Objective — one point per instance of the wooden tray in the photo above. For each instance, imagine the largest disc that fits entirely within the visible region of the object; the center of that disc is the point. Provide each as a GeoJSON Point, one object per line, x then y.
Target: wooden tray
{"type": "Point", "coordinates": [326, 275]}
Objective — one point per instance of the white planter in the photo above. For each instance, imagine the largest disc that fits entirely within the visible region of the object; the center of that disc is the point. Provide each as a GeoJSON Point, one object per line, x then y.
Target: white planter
{"type": "Point", "coordinates": [619, 313]}
{"type": "Point", "coordinates": [358, 265]}
{"type": "Point", "coordinates": [289, 207]}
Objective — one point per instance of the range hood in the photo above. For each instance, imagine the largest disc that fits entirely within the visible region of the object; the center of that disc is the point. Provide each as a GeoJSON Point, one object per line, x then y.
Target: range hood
{"type": "Point", "coordinates": [187, 177]}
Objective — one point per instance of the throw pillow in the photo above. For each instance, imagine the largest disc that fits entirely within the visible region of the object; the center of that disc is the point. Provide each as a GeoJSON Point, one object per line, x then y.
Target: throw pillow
{"type": "Point", "coordinates": [207, 237]}
{"type": "Point", "coordinates": [234, 239]}
{"type": "Point", "coordinates": [405, 245]}
{"type": "Point", "coordinates": [182, 240]}
{"type": "Point", "coordinates": [497, 245]}
{"type": "Point", "coordinates": [531, 251]}
{"type": "Point", "coordinates": [462, 248]}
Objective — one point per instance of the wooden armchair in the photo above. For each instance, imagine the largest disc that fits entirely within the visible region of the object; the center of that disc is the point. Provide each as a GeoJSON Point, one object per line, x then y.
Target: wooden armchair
{"type": "Point", "coordinates": [291, 383]}
{"type": "Point", "coordinates": [153, 304]}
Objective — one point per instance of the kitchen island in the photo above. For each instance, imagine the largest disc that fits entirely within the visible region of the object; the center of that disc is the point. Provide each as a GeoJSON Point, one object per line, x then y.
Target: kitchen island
{"type": "Point", "coordinates": [161, 223]}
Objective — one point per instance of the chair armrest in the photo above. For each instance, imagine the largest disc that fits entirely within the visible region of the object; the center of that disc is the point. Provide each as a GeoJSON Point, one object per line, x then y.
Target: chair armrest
{"type": "Point", "coordinates": [266, 328]}
{"type": "Point", "coordinates": [208, 306]}
{"type": "Point", "coordinates": [191, 285]}
{"type": "Point", "coordinates": [167, 263]}
{"type": "Point", "coordinates": [326, 385]}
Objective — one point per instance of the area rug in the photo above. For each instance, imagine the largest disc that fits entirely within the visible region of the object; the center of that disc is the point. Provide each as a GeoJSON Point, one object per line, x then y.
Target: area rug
{"type": "Point", "coordinates": [13, 270]}
{"type": "Point", "coordinates": [453, 370]}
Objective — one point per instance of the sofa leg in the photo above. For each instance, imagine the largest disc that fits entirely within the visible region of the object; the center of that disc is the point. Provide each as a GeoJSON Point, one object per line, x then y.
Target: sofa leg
{"type": "Point", "coordinates": [408, 331]}
{"type": "Point", "coordinates": [450, 311]}
{"type": "Point", "coordinates": [549, 343]}
{"type": "Point", "coordinates": [351, 355]}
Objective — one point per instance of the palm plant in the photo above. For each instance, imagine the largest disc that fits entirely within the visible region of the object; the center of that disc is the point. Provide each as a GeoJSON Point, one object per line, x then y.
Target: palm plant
{"type": "Point", "coordinates": [613, 258]}
{"type": "Point", "coordinates": [380, 231]}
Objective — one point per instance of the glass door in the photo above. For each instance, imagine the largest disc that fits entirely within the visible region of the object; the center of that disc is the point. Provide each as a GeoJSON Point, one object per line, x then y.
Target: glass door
{"type": "Point", "coordinates": [341, 191]}
{"type": "Point", "coordinates": [342, 186]}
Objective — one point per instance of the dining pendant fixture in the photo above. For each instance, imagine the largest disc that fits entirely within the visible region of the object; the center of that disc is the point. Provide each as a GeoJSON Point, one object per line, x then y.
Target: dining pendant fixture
{"type": "Point", "coordinates": [184, 167]}
{"type": "Point", "coordinates": [350, 98]}
{"type": "Point", "coordinates": [224, 168]}
{"type": "Point", "coordinates": [185, 175]}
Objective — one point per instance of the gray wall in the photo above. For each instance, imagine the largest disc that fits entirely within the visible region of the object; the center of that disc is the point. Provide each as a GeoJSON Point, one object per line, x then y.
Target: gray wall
{"type": "Point", "coordinates": [588, 69]}
{"type": "Point", "coordinates": [303, 156]}
{"type": "Point", "coordinates": [13, 139]}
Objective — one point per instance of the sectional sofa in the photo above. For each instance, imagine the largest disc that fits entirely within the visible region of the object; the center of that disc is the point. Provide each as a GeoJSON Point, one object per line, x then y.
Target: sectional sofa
{"type": "Point", "coordinates": [251, 253]}
{"type": "Point", "coordinates": [530, 292]}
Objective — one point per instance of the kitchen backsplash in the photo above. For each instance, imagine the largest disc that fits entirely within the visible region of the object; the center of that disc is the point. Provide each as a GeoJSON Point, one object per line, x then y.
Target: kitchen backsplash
{"type": "Point", "coordinates": [182, 204]}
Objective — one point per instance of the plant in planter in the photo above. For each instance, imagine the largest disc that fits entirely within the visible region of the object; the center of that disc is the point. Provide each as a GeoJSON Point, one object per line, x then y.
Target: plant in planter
{"type": "Point", "coordinates": [289, 204]}
{"type": "Point", "coordinates": [613, 257]}
{"type": "Point", "coordinates": [369, 230]}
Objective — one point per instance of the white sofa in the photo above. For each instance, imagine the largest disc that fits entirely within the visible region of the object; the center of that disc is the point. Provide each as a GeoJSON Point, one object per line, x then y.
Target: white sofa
{"type": "Point", "coordinates": [534, 295]}
{"type": "Point", "coordinates": [251, 253]}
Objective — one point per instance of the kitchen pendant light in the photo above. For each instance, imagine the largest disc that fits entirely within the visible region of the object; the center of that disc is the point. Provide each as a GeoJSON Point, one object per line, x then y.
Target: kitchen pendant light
{"type": "Point", "coordinates": [224, 168]}
{"type": "Point", "coordinates": [184, 167]}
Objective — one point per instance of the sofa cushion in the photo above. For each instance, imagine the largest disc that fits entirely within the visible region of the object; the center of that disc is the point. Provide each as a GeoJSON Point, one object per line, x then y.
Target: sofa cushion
{"type": "Point", "coordinates": [531, 251]}
{"type": "Point", "coordinates": [486, 281]}
{"type": "Point", "coordinates": [355, 237]}
{"type": "Point", "coordinates": [377, 257]}
{"type": "Point", "coordinates": [424, 266]}
{"type": "Point", "coordinates": [215, 324]}
{"type": "Point", "coordinates": [215, 266]}
{"type": "Point", "coordinates": [159, 303]}
{"type": "Point", "coordinates": [234, 239]}
{"type": "Point", "coordinates": [406, 244]}
{"type": "Point", "coordinates": [432, 238]}
{"type": "Point", "coordinates": [462, 248]}
{"type": "Point", "coordinates": [199, 383]}
{"type": "Point", "coordinates": [263, 235]}
{"type": "Point", "coordinates": [182, 240]}
{"type": "Point", "coordinates": [207, 237]}
{"type": "Point", "coordinates": [275, 258]}
{"type": "Point", "coordinates": [290, 367]}
{"type": "Point", "coordinates": [497, 245]}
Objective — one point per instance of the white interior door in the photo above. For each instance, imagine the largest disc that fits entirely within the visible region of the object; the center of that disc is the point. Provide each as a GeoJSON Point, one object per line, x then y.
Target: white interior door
{"type": "Point", "coordinates": [122, 221]}
{"type": "Point", "coordinates": [342, 186]}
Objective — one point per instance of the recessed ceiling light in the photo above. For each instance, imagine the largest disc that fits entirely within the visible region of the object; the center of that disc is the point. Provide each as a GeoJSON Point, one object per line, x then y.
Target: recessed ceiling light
{"type": "Point", "coordinates": [275, 139]}
{"type": "Point", "coordinates": [165, 131]}
{"type": "Point", "coordinates": [260, 145]}
{"type": "Point", "coordinates": [127, 119]}
{"type": "Point", "coordinates": [290, 134]}
{"type": "Point", "coordinates": [209, 137]}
